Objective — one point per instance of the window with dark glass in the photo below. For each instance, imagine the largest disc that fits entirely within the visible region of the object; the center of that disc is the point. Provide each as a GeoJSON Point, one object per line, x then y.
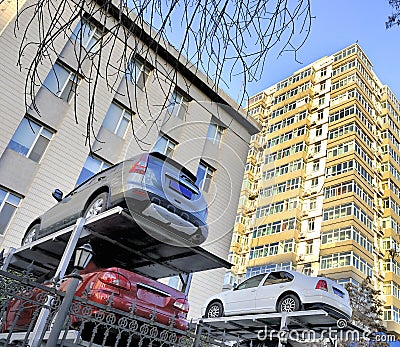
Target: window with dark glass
{"type": "Point", "coordinates": [214, 133]}
{"type": "Point", "coordinates": [117, 119]}
{"type": "Point", "coordinates": [165, 145]}
{"type": "Point", "coordinates": [178, 105]}
{"type": "Point", "coordinates": [87, 33]}
{"type": "Point", "coordinates": [8, 204]}
{"type": "Point", "coordinates": [138, 73]}
{"type": "Point", "coordinates": [62, 82]}
{"type": "Point", "coordinates": [204, 176]}
{"type": "Point", "coordinates": [30, 139]}
{"type": "Point", "coordinates": [251, 282]}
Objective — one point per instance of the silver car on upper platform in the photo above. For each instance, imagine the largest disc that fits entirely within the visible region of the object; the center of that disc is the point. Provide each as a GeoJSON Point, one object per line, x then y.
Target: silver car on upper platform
{"type": "Point", "coordinates": [280, 291]}
{"type": "Point", "coordinates": [160, 194]}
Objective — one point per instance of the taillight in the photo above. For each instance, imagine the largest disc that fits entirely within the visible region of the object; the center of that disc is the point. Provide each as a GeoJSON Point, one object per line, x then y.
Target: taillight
{"type": "Point", "coordinates": [182, 304]}
{"type": "Point", "coordinates": [115, 279]}
{"type": "Point", "coordinates": [321, 284]}
{"type": "Point", "coordinates": [140, 166]}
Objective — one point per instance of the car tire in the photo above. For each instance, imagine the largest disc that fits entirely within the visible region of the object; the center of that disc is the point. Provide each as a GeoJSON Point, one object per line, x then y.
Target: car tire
{"type": "Point", "coordinates": [214, 310]}
{"type": "Point", "coordinates": [96, 206]}
{"type": "Point", "coordinates": [30, 235]}
{"type": "Point", "coordinates": [289, 303]}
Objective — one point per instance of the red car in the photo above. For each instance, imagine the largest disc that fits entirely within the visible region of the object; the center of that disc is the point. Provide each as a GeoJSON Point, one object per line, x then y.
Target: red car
{"type": "Point", "coordinates": [128, 289]}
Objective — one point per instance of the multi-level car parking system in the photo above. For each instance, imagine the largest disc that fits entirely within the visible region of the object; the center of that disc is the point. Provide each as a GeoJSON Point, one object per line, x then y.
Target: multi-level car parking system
{"type": "Point", "coordinates": [50, 256]}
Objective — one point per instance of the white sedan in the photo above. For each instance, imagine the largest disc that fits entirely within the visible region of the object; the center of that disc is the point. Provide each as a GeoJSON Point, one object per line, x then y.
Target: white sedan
{"type": "Point", "coordinates": [280, 291]}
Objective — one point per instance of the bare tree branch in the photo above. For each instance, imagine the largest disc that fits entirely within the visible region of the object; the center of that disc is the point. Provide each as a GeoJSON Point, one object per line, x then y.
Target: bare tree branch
{"type": "Point", "coordinates": [221, 38]}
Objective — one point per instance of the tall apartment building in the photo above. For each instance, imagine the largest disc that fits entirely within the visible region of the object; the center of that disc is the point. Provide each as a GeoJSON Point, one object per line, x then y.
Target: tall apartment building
{"type": "Point", "coordinates": [201, 127]}
{"type": "Point", "coordinates": [321, 190]}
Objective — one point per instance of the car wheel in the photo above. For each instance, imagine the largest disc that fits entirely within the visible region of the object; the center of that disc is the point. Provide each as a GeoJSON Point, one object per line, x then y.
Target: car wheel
{"type": "Point", "coordinates": [96, 206]}
{"type": "Point", "coordinates": [30, 235]}
{"type": "Point", "coordinates": [289, 303]}
{"type": "Point", "coordinates": [215, 310]}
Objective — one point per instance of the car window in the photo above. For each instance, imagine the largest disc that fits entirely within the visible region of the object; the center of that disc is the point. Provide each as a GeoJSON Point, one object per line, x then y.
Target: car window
{"type": "Point", "coordinates": [251, 282]}
{"type": "Point", "coordinates": [278, 277]}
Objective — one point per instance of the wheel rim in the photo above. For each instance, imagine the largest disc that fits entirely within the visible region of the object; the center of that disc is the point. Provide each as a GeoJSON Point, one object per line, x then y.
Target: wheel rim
{"type": "Point", "coordinates": [214, 311]}
{"type": "Point", "coordinates": [30, 236]}
{"type": "Point", "coordinates": [288, 305]}
{"type": "Point", "coordinates": [95, 208]}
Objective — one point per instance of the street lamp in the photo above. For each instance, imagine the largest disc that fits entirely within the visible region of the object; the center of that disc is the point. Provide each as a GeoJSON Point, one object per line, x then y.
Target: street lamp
{"type": "Point", "coordinates": [83, 255]}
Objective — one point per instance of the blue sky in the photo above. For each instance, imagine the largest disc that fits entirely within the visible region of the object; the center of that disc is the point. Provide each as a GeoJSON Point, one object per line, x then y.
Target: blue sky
{"type": "Point", "coordinates": [338, 24]}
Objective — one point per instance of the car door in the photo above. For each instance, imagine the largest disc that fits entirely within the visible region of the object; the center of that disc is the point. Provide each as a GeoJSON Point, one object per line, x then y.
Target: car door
{"type": "Point", "coordinates": [242, 299]}
{"type": "Point", "coordinates": [55, 217]}
{"type": "Point", "coordinates": [71, 207]}
{"type": "Point", "coordinates": [272, 287]}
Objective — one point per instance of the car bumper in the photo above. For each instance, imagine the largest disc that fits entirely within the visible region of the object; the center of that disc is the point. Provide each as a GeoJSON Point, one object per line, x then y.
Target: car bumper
{"type": "Point", "coordinates": [326, 300]}
{"type": "Point", "coordinates": [165, 224]}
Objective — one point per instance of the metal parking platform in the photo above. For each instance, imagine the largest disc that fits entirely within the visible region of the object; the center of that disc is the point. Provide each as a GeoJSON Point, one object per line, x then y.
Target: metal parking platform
{"type": "Point", "coordinates": [276, 329]}
{"type": "Point", "coordinates": [110, 235]}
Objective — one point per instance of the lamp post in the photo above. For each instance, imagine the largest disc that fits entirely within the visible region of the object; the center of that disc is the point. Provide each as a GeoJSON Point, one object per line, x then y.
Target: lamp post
{"type": "Point", "coordinates": [83, 255]}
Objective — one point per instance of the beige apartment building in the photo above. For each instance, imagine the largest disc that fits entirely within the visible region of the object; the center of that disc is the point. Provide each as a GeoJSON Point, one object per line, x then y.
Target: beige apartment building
{"type": "Point", "coordinates": [321, 189]}
{"type": "Point", "coordinates": [200, 127]}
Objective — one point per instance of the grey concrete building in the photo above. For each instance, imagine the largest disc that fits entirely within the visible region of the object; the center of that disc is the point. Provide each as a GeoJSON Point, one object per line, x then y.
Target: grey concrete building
{"type": "Point", "coordinates": [201, 127]}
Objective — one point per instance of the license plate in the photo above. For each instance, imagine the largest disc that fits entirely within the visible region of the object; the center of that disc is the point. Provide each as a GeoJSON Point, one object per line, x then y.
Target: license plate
{"type": "Point", "coordinates": [338, 292]}
{"type": "Point", "coordinates": [180, 189]}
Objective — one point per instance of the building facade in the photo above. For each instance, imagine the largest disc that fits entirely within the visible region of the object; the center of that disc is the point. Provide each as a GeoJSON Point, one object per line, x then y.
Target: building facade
{"type": "Point", "coordinates": [200, 127]}
{"type": "Point", "coordinates": [321, 186]}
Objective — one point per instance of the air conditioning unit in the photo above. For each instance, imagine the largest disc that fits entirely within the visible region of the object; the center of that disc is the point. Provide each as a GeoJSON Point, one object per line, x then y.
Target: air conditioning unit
{"type": "Point", "coordinates": [307, 193]}
{"type": "Point", "coordinates": [302, 235]}
{"type": "Point", "coordinates": [314, 190]}
{"type": "Point", "coordinates": [305, 214]}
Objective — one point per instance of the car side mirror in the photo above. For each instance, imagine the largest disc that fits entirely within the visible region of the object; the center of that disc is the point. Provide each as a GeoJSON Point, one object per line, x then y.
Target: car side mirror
{"type": "Point", "coordinates": [57, 194]}
{"type": "Point", "coordinates": [235, 285]}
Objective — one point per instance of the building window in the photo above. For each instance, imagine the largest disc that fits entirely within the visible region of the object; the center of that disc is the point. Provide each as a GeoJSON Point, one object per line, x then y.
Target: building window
{"type": "Point", "coordinates": [165, 145]}
{"type": "Point", "coordinates": [307, 270]}
{"type": "Point", "coordinates": [318, 131]}
{"type": "Point", "coordinates": [178, 105]}
{"type": "Point", "coordinates": [324, 72]}
{"type": "Point", "coordinates": [30, 140]}
{"type": "Point", "coordinates": [204, 176]}
{"type": "Point", "coordinates": [8, 204]}
{"type": "Point", "coordinates": [91, 167]}
{"type": "Point", "coordinates": [138, 73]}
{"type": "Point", "coordinates": [117, 119]}
{"type": "Point", "coordinates": [320, 115]}
{"type": "Point", "coordinates": [315, 166]}
{"type": "Point", "coordinates": [87, 34]}
{"type": "Point", "coordinates": [311, 224]}
{"type": "Point", "coordinates": [314, 182]}
{"type": "Point", "coordinates": [61, 82]}
{"type": "Point", "coordinates": [322, 87]}
{"type": "Point", "coordinates": [309, 248]}
{"type": "Point", "coordinates": [317, 147]}
{"type": "Point", "coordinates": [313, 203]}
{"type": "Point", "coordinates": [321, 100]}
{"type": "Point", "coordinates": [214, 133]}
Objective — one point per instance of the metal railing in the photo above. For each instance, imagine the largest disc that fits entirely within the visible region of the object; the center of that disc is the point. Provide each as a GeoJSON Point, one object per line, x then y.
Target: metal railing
{"type": "Point", "coordinates": [88, 323]}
